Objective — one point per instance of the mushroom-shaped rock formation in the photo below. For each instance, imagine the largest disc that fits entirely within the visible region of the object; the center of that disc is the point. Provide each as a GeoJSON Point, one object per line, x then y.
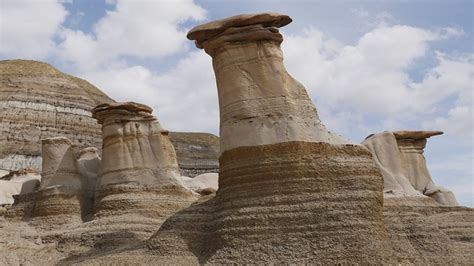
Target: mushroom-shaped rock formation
{"type": "Point", "coordinates": [399, 155]}
{"type": "Point", "coordinates": [258, 99]}
{"type": "Point", "coordinates": [37, 101]}
{"type": "Point", "coordinates": [289, 190]}
{"type": "Point", "coordinates": [59, 197]}
{"type": "Point", "coordinates": [139, 174]}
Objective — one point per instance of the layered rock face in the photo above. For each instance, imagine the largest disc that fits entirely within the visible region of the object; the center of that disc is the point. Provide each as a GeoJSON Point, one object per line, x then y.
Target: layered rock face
{"type": "Point", "coordinates": [139, 171]}
{"type": "Point", "coordinates": [399, 155]}
{"type": "Point", "coordinates": [198, 153]}
{"type": "Point", "coordinates": [424, 227]}
{"type": "Point", "coordinates": [37, 102]}
{"type": "Point", "coordinates": [289, 190]}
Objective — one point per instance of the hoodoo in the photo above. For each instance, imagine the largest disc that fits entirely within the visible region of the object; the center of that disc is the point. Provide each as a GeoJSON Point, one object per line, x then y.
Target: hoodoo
{"type": "Point", "coordinates": [399, 155]}
{"type": "Point", "coordinates": [139, 170]}
{"type": "Point", "coordinates": [289, 190]}
{"type": "Point", "coordinates": [60, 193]}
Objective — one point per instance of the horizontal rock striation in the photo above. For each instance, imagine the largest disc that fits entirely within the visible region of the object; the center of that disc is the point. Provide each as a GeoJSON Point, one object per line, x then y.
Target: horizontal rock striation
{"type": "Point", "coordinates": [289, 190]}
{"type": "Point", "coordinates": [197, 153]}
{"type": "Point", "coordinates": [36, 102]}
{"type": "Point", "coordinates": [59, 198]}
{"type": "Point", "coordinates": [423, 232]}
{"type": "Point", "coordinates": [139, 177]}
{"type": "Point", "coordinates": [296, 207]}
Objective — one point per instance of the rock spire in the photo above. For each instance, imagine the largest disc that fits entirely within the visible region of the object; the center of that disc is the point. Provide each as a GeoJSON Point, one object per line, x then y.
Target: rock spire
{"type": "Point", "coordinates": [289, 190]}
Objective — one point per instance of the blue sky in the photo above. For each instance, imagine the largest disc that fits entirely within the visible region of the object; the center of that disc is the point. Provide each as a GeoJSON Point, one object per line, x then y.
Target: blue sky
{"type": "Point", "coordinates": [368, 65]}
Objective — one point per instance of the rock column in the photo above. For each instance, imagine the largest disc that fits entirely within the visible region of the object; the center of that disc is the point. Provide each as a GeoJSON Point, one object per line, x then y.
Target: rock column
{"type": "Point", "coordinates": [60, 194]}
{"type": "Point", "coordinates": [139, 172]}
{"type": "Point", "coordinates": [289, 190]}
{"type": "Point", "coordinates": [411, 145]}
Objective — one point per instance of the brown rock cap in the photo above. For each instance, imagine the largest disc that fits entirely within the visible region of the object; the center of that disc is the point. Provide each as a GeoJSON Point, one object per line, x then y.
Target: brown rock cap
{"type": "Point", "coordinates": [206, 31]}
{"type": "Point", "coordinates": [416, 134]}
{"type": "Point", "coordinates": [123, 109]}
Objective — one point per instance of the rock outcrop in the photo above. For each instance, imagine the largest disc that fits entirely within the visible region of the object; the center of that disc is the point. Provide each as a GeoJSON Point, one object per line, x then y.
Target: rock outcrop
{"type": "Point", "coordinates": [399, 155]}
{"type": "Point", "coordinates": [198, 153]}
{"type": "Point", "coordinates": [289, 190]}
{"type": "Point", "coordinates": [59, 198]}
{"type": "Point", "coordinates": [139, 184]}
{"type": "Point", "coordinates": [204, 184]}
{"type": "Point", "coordinates": [18, 183]}
{"type": "Point", "coordinates": [36, 102]}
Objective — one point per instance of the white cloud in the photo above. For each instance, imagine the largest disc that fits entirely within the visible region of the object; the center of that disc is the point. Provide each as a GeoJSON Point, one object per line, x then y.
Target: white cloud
{"type": "Point", "coordinates": [360, 12]}
{"type": "Point", "coordinates": [457, 123]}
{"type": "Point", "coordinates": [27, 27]}
{"type": "Point", "coordinates": [372, 78]}
{"type": "Point", "coordinates": [184, 98]}
{"type": "Point", "coordinates": [145, 29]}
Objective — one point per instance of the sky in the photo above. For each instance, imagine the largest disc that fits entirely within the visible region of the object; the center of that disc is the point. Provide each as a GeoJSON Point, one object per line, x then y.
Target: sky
{"type": "Point", "coordinates": [369, 66]}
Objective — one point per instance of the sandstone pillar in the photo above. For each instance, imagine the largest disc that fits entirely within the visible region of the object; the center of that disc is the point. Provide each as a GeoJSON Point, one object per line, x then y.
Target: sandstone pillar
{"type": "Point", "coordinates": [386, 155]}
{"type": "Point", "coordinates": [60, 194]}
{"type": "Point", "coordinates": [289, 190]}
{"type": "Point", "coordinates": [139, 171]}
{"type": "Point", "coordinates": [411, 145]}
{"type": "Point", "coordinates": [259, 102]}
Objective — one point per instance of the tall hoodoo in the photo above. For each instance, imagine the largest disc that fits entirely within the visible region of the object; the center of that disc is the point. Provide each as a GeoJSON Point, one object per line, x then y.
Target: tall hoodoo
{"type": "Point", "coordinates": [139, 168]}
{"type": "Point", "coordinates": [257, 96]}
{"type": "Point", "coordinates": [289, 190]}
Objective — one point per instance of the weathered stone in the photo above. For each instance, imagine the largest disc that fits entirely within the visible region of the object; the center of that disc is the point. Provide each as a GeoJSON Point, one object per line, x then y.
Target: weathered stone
{"type": "Point", "coordinates": [18, 182]}
{"type": "Point", "coordinates": [289, 190]}
{"type": "Point", "coordinates": [399, 155]}
{"type": "Point", "coordinates": [89, 165]}
{"type": "Point", "coordinates": [387, 158]}
{"type": "Point", "coordinates": [139, 176]}
{"type": "Point", "coordinates": [37, 102]}
{"type": "Point", "coordinates": [203, 184]}
{"type": "Point", "coordinates": [275, 107]}
{"type": "Point", "coordinates": [59, 197]}
{"type": "Point", "coordinates": [197, 153]}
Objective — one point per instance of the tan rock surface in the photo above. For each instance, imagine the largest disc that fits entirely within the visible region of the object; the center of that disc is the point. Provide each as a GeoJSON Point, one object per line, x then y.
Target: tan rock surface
{"type": "Point", "coordinates": [58, 200]}
{"type": "Point", "coordinates": [197, 153]}
{"type": "Point", "coordinates": [290, 202]}
{"type": "Point", "coordinates": [203, 184]}
{"type": "Point", "coordinates": [37, 101]}
{"type": "Point", "coordinates": [139, 185]}
{"type": "Point", "coordinates": [19, 182]}
{"type": "Point", "coordinates": [284, 181]}
{"type": "Point", "coordinates": [275, 107]}
{"type": "Point", "coordinates": [386, 156]}
{"type": "Point", "coordinates": [399, 156]}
